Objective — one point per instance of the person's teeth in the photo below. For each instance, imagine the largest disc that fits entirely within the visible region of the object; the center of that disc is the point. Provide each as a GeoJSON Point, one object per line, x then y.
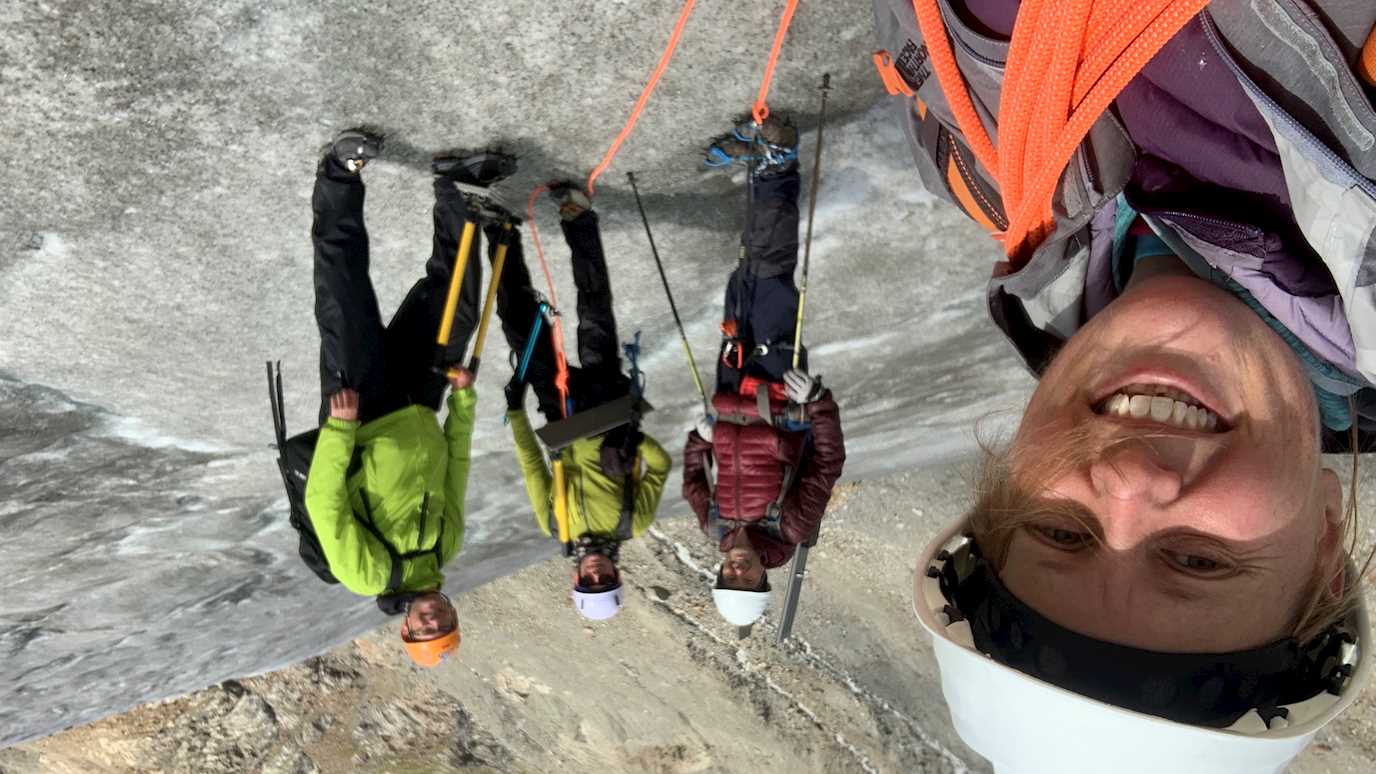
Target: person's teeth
{"type": "Point", "coordinates": [1178, 413]}
{"type": "Point", "coordinates": [1161, 408]}
{"type": "Point", "coordinates": [1140, 406]}
{"type": "Point", "coordinates": [1164, 409]}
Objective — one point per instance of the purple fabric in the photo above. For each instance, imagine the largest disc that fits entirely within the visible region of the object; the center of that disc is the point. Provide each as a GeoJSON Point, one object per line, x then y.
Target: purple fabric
{"type": "Point", "coordinates": [1187, 108]}
{"type": "Point", "coordinates": [1208, 163]}
{"type": "Point", "coordinates": [997, 15]}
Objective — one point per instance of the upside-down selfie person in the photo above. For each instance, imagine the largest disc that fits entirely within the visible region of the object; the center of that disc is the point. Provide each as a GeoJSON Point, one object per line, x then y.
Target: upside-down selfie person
{"type": "Point", "coordinates": [1159, 572]}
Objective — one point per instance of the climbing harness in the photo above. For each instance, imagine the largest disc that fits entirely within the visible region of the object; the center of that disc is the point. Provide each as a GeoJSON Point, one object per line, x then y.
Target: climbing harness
{"type": "Point", "coordinates": [1067, 61]}
{"type": "Point", "coordinates": [678, 321]}
{"type": "Point", "coordinates": [811, 215]}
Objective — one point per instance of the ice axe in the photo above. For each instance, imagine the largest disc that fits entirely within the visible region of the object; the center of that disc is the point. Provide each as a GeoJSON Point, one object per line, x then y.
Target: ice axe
{"type": "Point", "coordinates": [489, 303]}
{"type": "Point", "coordinates": [451, 302]}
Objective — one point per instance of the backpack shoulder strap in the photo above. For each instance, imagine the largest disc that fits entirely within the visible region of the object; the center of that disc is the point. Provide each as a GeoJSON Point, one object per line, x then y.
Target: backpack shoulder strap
{"type": "Point", "coordinates": [624, 525]}
{"type": "Point", "coordinates": [394, 577]}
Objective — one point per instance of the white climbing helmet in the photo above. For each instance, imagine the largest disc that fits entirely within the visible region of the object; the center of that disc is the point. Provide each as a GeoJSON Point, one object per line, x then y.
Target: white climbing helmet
{"type": "Point", "coordinates": [598, 605]}
{"type": "Point", "coordinates": [1026, 725]}
{"type": "Point", "coordinates": [740, 608]}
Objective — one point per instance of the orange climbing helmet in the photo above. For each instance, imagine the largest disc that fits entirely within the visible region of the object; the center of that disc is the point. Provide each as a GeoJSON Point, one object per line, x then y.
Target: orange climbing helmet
{"type": "Point", "coordinates": [429, 653]}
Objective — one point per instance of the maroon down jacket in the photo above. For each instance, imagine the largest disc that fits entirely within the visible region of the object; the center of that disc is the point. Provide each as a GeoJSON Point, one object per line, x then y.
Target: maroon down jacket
{"type": "Point", "coordinates": [750, 463]}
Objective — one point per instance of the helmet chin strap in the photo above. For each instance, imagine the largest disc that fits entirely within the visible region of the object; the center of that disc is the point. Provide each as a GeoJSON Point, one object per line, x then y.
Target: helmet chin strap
{"type": "Point", "coordinates": [1202, 689]}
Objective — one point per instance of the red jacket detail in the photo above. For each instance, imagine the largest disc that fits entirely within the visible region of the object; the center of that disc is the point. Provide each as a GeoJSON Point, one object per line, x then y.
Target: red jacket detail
{"type": "Point", "coordinates": [750, 461]}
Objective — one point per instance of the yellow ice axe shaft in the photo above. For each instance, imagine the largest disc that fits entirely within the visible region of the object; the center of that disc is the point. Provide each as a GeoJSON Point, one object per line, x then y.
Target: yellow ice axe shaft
{"type": "Point", "coordinates": [498, 261]}
{"type": "Point", "coordinates": [561, 507]}
{"type": "Point", "coordinates": [451, 302]}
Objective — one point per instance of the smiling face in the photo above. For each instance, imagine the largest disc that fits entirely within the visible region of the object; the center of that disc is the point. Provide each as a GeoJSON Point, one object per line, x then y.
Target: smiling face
{"type": "Point", "coordinates": [1196, 516]}
{"type": "Point", "coordinates": [741, 566]}
{"type": "Point", "coordinates": [429, 617]}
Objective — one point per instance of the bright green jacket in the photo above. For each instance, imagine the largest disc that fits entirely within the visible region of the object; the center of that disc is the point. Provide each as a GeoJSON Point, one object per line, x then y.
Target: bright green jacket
{"type": "Point", "coordinates": [594, 499]}
{"type": "Point", "coordinates": [411, 483]}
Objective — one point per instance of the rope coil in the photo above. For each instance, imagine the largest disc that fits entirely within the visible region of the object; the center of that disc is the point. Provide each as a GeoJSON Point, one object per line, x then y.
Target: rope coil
{"type": "Point", "coordinates": [1067, 61]}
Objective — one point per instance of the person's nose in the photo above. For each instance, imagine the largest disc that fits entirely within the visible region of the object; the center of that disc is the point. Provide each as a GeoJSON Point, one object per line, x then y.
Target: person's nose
{"type": "Point", "coordinates": [1134, 473]}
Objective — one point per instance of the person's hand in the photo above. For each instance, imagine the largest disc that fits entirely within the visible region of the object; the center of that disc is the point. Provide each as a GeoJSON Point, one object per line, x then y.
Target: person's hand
{"type": "Point", "coordinates": [515, 394]}
{"type": "Point", "coordinates": [460, 378]}
{"type": "Point", "coordinates": [344, 405]}
{"type": "Point", "coordinates": [705, 424]}
{"type": "Point", "coordinates": [802, 388]}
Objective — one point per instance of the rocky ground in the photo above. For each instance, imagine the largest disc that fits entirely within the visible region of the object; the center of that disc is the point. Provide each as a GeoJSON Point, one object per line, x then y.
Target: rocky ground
{"type": "Point", "coordinates": [666, 688]}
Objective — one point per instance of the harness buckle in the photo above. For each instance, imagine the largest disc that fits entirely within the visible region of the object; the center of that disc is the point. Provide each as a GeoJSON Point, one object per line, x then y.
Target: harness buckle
{"type": "Point", "coordinates": [732, 347]}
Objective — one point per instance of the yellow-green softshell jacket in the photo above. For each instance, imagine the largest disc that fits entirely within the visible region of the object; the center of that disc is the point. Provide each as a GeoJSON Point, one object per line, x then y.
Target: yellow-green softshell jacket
{"type": "Point", "coordinates": [412, 482]}
{"type": "Point", "coordinates": [594, 499]}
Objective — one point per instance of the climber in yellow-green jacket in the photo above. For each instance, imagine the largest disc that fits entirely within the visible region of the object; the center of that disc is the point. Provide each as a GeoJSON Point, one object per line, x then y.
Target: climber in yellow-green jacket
{"type": "Point", "coordinates": [385, 490]}
{"type": "Point", "coordinates": [612, 482]}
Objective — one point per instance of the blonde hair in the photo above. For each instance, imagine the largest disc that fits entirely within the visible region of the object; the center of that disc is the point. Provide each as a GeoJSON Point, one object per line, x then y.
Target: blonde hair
{"type": "Point", "coordinates": [1010, 492]}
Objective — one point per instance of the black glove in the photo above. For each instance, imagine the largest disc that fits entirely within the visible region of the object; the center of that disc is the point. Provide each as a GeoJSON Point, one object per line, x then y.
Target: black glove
{"type": "Point", "coordinates": [515, 394]}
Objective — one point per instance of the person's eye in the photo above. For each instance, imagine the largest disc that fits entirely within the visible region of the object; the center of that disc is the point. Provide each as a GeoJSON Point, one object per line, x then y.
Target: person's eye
{"type": "Point", "coordinates": [1197, 564]}
{"type": "Point", "coordinates": [1060, 537]}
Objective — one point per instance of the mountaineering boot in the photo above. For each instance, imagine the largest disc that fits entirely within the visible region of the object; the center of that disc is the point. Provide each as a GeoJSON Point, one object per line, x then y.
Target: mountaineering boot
{"type": "Point", "coordinates": [776, 142]}
{"type": "Point", "coordinates": [354, 148]}
{"type": "Point", "coordinates": [477, 176]}
{"type": "Point", "coordinates": [726, 150]}
{"type": "Point", "coordinates": [764, 149]}
{"type": "Point", "coordinates": [570, 198]}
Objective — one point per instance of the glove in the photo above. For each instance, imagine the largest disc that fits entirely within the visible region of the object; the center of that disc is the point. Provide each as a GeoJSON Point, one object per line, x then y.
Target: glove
{"type": "Point", "coordinates": [515, 394]}
{"type": "Point", "coordinates": [801, 387]}
{"type": "Point", "coordinates": [705, 425]}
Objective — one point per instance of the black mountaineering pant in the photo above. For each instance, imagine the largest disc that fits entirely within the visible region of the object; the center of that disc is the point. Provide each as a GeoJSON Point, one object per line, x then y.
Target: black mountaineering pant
{"type": "Point", "coordinates": [390, 367]}
{"type": "Point", "coordinates": [597, 378]}
{"type": "Point", "coordinates": [761, 298]}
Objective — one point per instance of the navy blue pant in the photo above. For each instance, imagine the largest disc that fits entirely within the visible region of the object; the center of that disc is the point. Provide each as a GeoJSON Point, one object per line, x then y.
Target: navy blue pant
{"type": "Point", "coordinates": [391, 366]}
{"type": "Point", "coordinates": [761, 298]}
{"type": "Point", "coordinates": [597, 377]}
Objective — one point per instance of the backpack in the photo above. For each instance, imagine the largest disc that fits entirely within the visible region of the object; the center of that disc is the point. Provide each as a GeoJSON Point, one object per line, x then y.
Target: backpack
{"type": "Point", "coordinates": [294, 463]}
{"type": "Point", "coordinates": [294, 457]}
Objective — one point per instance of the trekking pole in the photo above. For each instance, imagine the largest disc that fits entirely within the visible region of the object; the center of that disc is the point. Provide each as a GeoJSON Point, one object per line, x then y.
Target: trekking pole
{"type": "Point", "coordinates": [811, 213]}
{"type": "Point", "coordinates": [688, 350]}
{"type": "Point", "coordinates": [798, 570]}
{"type": "Point", "coordinates": [451, 302]}
{"type": "Point", "coordinates": [498, 261]}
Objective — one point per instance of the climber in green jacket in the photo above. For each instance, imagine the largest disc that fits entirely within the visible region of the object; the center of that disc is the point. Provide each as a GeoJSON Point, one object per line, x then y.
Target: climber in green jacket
{"type": "Point", "coordinates": [385, 492]}
{"type": "Point", "coordinates": [613, 481]}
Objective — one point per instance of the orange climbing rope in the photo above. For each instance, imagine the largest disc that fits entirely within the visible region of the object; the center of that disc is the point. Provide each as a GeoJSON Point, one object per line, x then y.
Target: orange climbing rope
{"type": "Point", "coordinates": [561, 365]}
{"type": "Point", "coordinates": [1068, 61]}
{"type": "Point", "coordinates": [644, 95]}
{"type": "Point", "coordinates": [760, 111]}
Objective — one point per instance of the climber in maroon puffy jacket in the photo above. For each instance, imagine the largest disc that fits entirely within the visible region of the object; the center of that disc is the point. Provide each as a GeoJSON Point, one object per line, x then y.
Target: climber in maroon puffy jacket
{"type": "Point", "coordinates": [776, 435]}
